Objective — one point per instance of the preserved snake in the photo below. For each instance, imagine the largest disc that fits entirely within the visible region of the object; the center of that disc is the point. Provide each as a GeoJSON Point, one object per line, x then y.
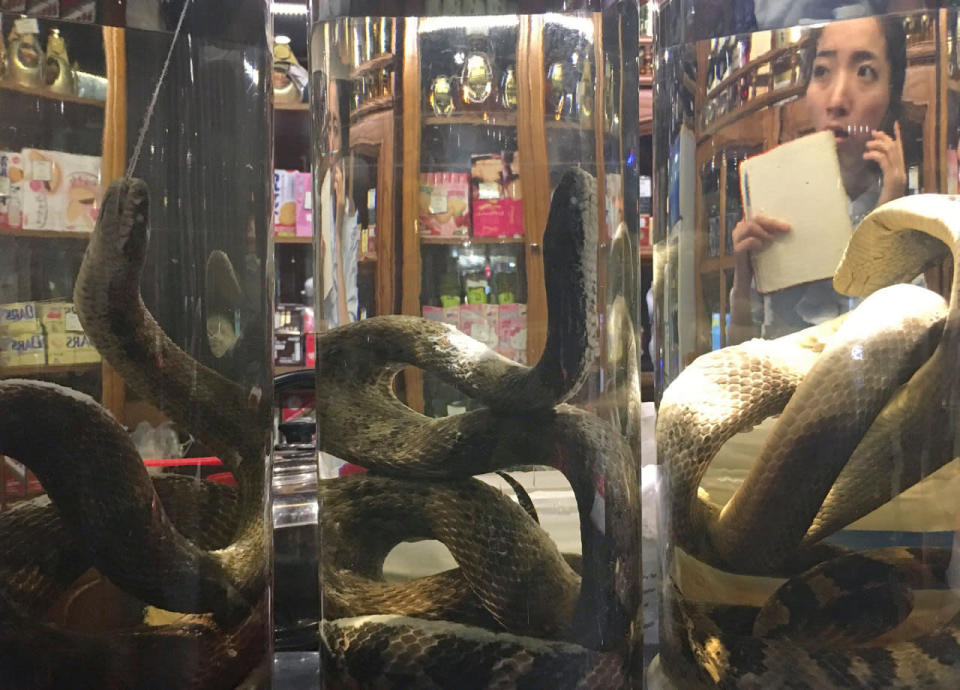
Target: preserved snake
{"type": "Point", "coordinates": [866, 407]}
{"type": "Point", "coordinates": [514, 605]}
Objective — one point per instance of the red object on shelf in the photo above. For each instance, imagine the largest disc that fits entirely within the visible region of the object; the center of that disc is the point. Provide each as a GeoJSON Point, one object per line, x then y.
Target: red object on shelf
{"type": "Point", "coordinates": [222, 477]}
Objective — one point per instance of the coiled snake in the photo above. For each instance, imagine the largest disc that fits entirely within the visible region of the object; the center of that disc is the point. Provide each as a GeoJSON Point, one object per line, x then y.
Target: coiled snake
{"type": "Point", "coordinates": [867, 407]}
{"type": "Point", "coordinates": [512, 587]}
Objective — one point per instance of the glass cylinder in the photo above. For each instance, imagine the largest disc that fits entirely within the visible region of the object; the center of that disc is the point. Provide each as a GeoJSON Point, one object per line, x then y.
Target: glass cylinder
{"type": "Point", "coordinates": [478, 374]}
{"type": "Point", "coordinates": [803, 224]}
{"type": "Point", "coordinates": [135, 371]}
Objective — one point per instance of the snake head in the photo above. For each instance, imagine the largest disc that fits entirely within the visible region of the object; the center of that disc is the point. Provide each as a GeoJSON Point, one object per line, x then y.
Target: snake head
{"type": "Point", "coordinates": [123, 223]}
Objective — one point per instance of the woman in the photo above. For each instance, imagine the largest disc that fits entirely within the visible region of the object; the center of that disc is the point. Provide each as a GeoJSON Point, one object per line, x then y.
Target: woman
{"type": "Point", "coordinates": [855, 89]}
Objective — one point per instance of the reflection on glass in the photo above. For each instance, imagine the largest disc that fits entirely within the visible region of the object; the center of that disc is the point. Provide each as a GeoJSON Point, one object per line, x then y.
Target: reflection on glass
{"type": "Point", "coordinates": [783, 158]}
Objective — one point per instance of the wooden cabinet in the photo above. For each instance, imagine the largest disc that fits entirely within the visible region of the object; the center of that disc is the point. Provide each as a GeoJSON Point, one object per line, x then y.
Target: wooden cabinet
{"type": "Point", "coordinates": [43, 263]}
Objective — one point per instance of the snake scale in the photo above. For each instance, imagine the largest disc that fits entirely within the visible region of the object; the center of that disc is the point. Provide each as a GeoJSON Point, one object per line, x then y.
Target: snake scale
{"type": "Point", "coordinates": [867, 407]}
{"type": "Point", "coordinates": [514, 608]}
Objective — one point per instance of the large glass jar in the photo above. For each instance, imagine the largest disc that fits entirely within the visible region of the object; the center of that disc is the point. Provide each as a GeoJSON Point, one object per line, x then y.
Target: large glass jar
{"type": "Point", "coordinates": [478, 385]}
{"type": "Point", "coordinates": [805, 344]}
{"type": "Point", "coordinates": [135, 373]}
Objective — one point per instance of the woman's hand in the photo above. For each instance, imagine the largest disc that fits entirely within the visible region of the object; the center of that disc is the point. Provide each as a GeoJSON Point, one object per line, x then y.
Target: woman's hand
{"type": "Point", "coordinates": [887, 152]}
{"type": "Point", "coordinates": [755, 233]}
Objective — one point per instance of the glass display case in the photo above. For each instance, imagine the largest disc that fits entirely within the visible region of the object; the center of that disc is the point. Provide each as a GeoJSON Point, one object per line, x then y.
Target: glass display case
{"type": "Point", "coordinates": [484, 149]}
{"type": "Point", "coordinates": [804, 154]}
{"type": "Point", "coordinates": [135, 379]}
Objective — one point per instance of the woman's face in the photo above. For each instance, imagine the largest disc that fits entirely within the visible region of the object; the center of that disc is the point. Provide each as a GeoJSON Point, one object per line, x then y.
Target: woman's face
{"type": "Point", "coordinates": [849, 90]}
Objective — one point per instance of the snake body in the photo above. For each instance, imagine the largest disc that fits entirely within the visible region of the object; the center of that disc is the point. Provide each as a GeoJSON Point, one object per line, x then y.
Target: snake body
{"type": "Point", "coordinates": [511, 578]}
{"type": "Point", "coordinates": [867, 409]}
{"type": "Point", "coordinates": [514, 607]}
{"type": "Point", "coordinates": [109, 514]}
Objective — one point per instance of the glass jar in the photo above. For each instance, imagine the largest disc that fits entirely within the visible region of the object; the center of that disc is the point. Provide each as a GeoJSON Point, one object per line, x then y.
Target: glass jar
{"type": "Point", "coordinates": [500, 253]}
{"type": "Point", "coordinates": [135, 378]}
{"type": "Point", "coordinates": [809, 508]}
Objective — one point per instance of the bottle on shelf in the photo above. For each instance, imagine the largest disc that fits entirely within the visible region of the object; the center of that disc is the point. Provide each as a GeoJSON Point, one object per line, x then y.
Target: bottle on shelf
{"type": "Point", "coordinates": [24, 54]}
{"type": "Point", "coordinates": [508, 88]}
{"type": "Point", "coordinates": [585, 91]}
{"type": "Point", "coordinates": [58, 74]}
{"type": "Point", "coordinates": [288, 74]}
{"type": "Point", "coordinates": [477, 89]}
{"type": "Point", "coordinates": [441, 95]}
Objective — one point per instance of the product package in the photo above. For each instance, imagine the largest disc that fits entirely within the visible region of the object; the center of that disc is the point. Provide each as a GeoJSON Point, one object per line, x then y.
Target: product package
{"type": "Point", "coordinates": [479, 321]}
{"type": "Point", "coordinates": [83, 350]}
{"type": "Point", "coordinates": [60, 191]}
{"type": "Point", "coordinates": [11, 189]}
{"type": "Point", "coordinates": [444, 204]}
{"type": "Point", "coordinates": [450, 315]}
{"type": "Point", "coordinates": [304, 196]}
{"type": "Point", "coordinates": [18, 318]}
{"type": "Point", "coordinates": [22, 350]}
{"type": "Point", "coordinates": [285, 202]}
{"type": "Point", "coordinates": [495, 197]}
{"type": "Point", "coordinates": [512, 332]}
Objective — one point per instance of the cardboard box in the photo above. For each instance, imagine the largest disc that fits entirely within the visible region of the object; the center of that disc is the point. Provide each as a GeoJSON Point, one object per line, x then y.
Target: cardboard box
{"type": "Point", "coordinates": [444, 204]}
{"type": "Point", "coordinates": [512, 332]}
{"type": "Point", "coordinates": [449, 315]}
{"type": "Point", "coordinates": [84, 351]}
{"type": "Point", "coordinates": [285, 202]}
{"type": "Point", "coordinates": [11, 189]}
{"type": "Point", "coordinates": [480, 322]}
{"type": "Point", "coordinates": [22, 350]}
{"type": "Point", "coordinates": [17, 318]}
{"type": "Point", "coordinates": [52, 316]}
{"type": "Point", "coordinates": [57, 350]}
{"type": "Point", "coordinates": [288, 349]}
{"type": "Point", "coordinates": [496, 203]}
{"type": "Point", "coordinates": [303, 188]}
{"type": "Point", "coordinates": [61, 191]}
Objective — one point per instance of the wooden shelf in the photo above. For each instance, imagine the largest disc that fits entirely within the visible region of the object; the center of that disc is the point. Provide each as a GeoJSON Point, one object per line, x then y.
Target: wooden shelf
{"type": "Point", "coordinates": [373, 65]}
{"type": "Point", "coordinates": [286, 239]}
{"type": "Point", "coordinates": [714, 264]}
{"type": "Point", "coordinates": [367, 259]}
{"type": "Point", "coordinates": [382, 103]}
{"type": "Point", "coordinates": [427, 239]}
{"type": "Point", "coordinates": [768, 57]}
{"type": "Point", "coordinates": [752, 105]}
{"type": "Point", "coordinates": [291, 106]}
{"type": "Point", "coordinates": [500, 118]}
{"type": "Point", "coordinates": [568, 124]}
{"type": "Point", "coordinates": [286, 369]}
{"type": "Point", "coordinates": [46, 234]}
{"type": "Point", "coordinates": [51, 95]}
{"type": "Point", "coordinates": [44, 369]}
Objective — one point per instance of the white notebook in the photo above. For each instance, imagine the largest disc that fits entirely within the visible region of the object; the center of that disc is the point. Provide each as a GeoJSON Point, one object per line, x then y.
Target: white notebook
{"type": "Point", "coordinates": [798, 182]}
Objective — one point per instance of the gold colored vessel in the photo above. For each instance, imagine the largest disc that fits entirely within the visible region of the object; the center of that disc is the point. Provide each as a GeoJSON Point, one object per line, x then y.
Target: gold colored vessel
{"type": "Point", "coordinates": [285, 89]}
{"type": "Point", "coordinates": [58, 74]}
{"type": "Point", "coordinates": [25, 56]}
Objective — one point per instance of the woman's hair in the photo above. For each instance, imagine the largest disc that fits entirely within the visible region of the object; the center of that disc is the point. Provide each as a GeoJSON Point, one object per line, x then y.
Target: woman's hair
{"type": "Point", "coordinates": [895, 38]}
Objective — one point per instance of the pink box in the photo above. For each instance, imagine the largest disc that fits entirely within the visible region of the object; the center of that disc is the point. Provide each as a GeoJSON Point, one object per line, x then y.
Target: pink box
{"type": "Point", "coordinates": [479, 321]}
{"type": "Point", "coordinates": [444, 204]}
{"type": "Point", "coordinates": [284, 202]}
{"type": "Point", "coordinates": [61, 191]}
{"type": "Point", "coordinates": [450, 315]}
{"type": "Point", "coordinates": [304, 194]}
{"type": "Point", "coordinates": [512, 332]}
{"type": "Point", "coordinates": [497, 207]}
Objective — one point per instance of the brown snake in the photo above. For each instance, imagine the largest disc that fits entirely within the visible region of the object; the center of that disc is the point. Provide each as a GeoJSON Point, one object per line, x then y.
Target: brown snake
{"type": "Point", "coordinates": [511, 579]}
{"type": "Point", "coordinates": [867, 409]}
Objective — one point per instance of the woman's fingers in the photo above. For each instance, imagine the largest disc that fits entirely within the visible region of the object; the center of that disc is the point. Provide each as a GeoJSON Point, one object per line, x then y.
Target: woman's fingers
{"type": "Point", "coordinates": [754, 233]}
{"type": "Point", "coordinates": [887, 152]}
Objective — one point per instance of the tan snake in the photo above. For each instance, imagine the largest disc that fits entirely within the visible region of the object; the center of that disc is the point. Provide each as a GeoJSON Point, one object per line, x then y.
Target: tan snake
{"type": "Point", "coordinates": [866, 397]}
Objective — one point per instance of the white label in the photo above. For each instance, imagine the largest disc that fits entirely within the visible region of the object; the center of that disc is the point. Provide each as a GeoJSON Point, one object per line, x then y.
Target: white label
{"type": "Point", "coordinates": [645, 186]}
{"type": "Point", "coordinates": [42, 171]}
{"type": "Point", "coordinates": [438, 202]}
{"type": "Point", "coordinates": [4, 186]}
{"type": "Point", "coordinates": [72, 321]}
{"type": "Point", "coordinates": [26, 25]}
{"type": "Point", "coordinates": [308, 201]}
{"type": "Point", "coordinates": [489, 190]}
